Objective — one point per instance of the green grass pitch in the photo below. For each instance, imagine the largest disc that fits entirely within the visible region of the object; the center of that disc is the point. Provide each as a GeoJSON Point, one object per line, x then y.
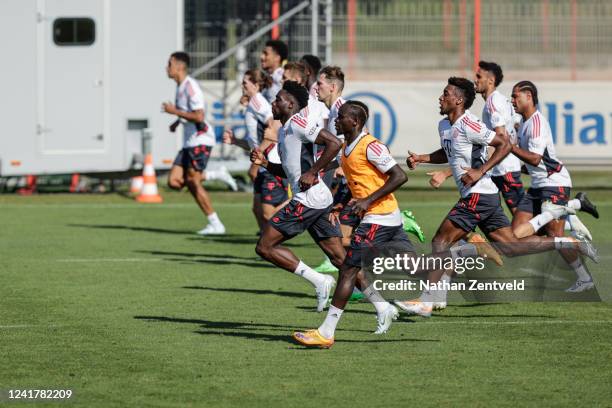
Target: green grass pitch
{"type": "Point", "coordinates": [123, 304]}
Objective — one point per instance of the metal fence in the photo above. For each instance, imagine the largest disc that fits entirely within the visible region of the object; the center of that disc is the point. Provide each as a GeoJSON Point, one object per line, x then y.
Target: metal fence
{"type": "Point", "coordinates": [416, 38]}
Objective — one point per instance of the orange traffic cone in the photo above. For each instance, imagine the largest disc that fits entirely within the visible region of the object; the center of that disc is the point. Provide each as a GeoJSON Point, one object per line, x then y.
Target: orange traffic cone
{"type": "Point", "coordinates": [149, 193]}
{"type": "Point", "coordinates": [137, 183]}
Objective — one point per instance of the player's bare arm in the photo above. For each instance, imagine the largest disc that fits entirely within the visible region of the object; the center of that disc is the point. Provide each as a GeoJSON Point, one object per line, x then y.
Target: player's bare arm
{"type": "Point", "coordinates": [437, 157]}
{"type": "Point", "coordinates": [258, 158]}
{"type": "Point", "coordinates": [196, 116]}
{"type": "Point", "coordinates": [528, 157]}
{"type": "Point", "coordinates": [332, 147]}
{"type": "Point", "coordinates": [502, 146]}
{"type": "Point", "coordinates": [397, 177]}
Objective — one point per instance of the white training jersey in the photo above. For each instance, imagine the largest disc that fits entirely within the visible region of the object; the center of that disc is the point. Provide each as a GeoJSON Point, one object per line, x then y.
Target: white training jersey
{"type": "Point", "coordinates": [277, 84]}
{"type": "Point", "coordinates": [296, 149]}
{"type": "Point", "coordinates": [333, 115]}
{"type": "Point", "coordinates": [190, 98]}
{"type": "Point", "coordinates": [379, 155]}
{"type": "Point", "coordinates": [256, 117]}
{"type": "Point", "coordinates": [317, 114]}
{"type": "Point", "coordinates": [497, 112]}
{"type": "Point", "coordinates": [535, 136]}
{"type": "Point", "coordinates": [465, 144]}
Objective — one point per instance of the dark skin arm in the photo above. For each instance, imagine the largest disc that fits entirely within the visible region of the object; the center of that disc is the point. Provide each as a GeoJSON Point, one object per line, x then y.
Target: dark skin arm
{"type": "Point", "coordinates": [502, 146]}
{"type": "Point", "coordinates": [332, 147]}
{"type": "Point", "coordinates": [528, 157]}
{"type": "Point", "coordinates": [397, 177]}
{"type": "Point", "coordinates": [258, 158]}
{"type": "Point", "coordinates": [437, 157]}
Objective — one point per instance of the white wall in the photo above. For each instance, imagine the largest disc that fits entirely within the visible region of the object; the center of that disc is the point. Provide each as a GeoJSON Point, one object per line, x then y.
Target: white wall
{"type": "Point", "coordinates": [405, 114]}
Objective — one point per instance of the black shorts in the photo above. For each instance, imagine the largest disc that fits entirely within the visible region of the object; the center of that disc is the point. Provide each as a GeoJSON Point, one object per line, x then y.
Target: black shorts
{"type": "Point", "coordinates": [295, 218]}
{"type": "Point", "coordinates": [194, 157]}
{"type": "Point", "coordinates": [511, 187]}
{"type": "Point", "coordinates": [479, 210]}
{"type": "Point", "coordinates": [273, 189]}
{"type": "Point", "coordinates": [347, 217]}
{"type": "Point", "coordinates": [373, 236]}
{"type": "Point", "coordinates": [533, 199]}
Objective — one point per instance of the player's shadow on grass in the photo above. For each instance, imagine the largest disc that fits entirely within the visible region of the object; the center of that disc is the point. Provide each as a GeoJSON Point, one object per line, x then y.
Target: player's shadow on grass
{"type": "Point", "coordinates": [247, 330]}
{"type": "Point", "coordinates": [245, 239]}
{"type": "Point", "coordinates": [134, 228]}
{"type": "Point", "coordinates": [215, 259]}
{"type": "Point", "coordinates": [255, 292]}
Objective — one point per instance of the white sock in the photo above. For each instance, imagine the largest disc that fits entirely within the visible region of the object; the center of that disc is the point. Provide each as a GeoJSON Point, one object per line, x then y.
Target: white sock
{"type": "Point", "coordinates": [575, 204]}
{"type": "Point", "coordinates": [428, 296]}
{"type": "Point", "coordinates": [328, 328]}
{"type": "Point", "coordinates": [440, 295]}
{"type": "Point", "coordinates": [309, 274]}
{"type": "Point", "coordinates": [214, 219]}
{"type": "Point", "coordinates": [581, 270]}
{"type": "Point", "coordinates": [463, 251]}
{"type": "Point", "coordinates": [567, 226]}
{"type": "Point", "coordinates": [374, 297]}
{"type": "Point", "coordinates": [564, 243]}
{"type": "Point", "coordinates": [541, 220]}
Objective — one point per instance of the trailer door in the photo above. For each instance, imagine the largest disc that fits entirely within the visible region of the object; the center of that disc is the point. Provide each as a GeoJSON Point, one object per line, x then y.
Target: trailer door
{"type": "Point", "coordinates": [72, 115]}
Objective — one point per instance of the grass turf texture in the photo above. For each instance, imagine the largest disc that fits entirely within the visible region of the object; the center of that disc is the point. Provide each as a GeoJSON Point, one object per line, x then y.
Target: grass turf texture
{"type": "Point", "coordinates": [123, 304]}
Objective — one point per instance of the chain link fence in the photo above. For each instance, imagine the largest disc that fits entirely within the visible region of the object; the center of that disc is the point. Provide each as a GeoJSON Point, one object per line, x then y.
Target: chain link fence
{"type": "Point", "coordinates": [420, 38]}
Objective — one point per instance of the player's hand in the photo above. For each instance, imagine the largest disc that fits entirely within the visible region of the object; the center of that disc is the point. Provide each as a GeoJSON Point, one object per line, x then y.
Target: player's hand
{"type": "Point", "coordinates": [174, 125]}
{"type": "Point", "coordinates": [471, 176]}
{"type": "Point", "coordinates": [228, 137]}
{"type": "Point", "coordinates": [339, 173]}
{"type": "Point", "coordinates": [308, 180]}
{"type": "Point", "coordinates": [437, 178]}
{"type": "Point", "coordinates": [334, 214]}
{"type": "Point", "coordinates": [412, 160]}
{"type": "Point", "coordinates": [169, 107]}
{"type": "Point", "coordinates": [253, 170]}
{"type": "Point", "coordinates": [257, 157]}
{"type": "Point", "coordinates": [244, 100]}
{"type": "Point", "coordinates": [359, 206]}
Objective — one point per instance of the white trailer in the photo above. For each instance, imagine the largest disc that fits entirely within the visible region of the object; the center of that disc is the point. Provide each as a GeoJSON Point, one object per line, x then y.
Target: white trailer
{"type": "Point", "coordinates": [81, 79]}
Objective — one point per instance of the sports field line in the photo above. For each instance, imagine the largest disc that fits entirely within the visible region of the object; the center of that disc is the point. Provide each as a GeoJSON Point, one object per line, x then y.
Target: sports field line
{"type": "Point", "coordinates": [29, 326]}
{"type": "Point", "coordinates": [109, 260]}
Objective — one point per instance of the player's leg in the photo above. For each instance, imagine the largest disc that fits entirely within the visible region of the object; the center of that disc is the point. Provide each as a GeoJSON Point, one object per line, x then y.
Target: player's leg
{"type": "Point", "coordinates": [258, 211]}
{"type": "Point", "coordinates": [193, 180]}
{"type": "Point", "coordinates": [284, 225]}
{"type": "Point", "coordinates": [221, 174]}
{"type": "Point", "coordinates": [176, 177]}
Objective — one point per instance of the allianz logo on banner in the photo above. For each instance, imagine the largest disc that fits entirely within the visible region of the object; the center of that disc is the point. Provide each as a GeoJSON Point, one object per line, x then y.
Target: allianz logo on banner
{"type": "Point", "coordinates": [570, 128]}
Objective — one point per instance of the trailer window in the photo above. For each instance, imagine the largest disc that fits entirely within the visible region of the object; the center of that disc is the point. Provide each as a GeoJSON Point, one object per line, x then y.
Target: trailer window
{"type": "Point", "coordinates": [74, 31]}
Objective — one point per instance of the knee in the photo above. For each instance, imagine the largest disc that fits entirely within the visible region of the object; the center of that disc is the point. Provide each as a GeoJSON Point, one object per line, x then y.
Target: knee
{"type": "Point", "coordinates": [346, 242]}
{"type": "Point", "coordinates": [337, 259]}
{"type": "Point", "coordinates": [263, 249]}
{"type": "Point", "coordinates": [175, 184]}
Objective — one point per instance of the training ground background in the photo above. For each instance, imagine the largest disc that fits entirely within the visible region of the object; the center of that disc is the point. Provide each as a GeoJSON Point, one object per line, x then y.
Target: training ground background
{"type": "Point", "coordinates": [123, 304]}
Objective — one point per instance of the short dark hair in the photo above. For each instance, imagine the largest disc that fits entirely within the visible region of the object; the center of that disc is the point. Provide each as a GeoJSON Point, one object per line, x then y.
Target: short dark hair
{"type": "Point", "coordinates": [313, 62]}
{"type": "Point", "coordinates": [493, 68]}
{"type": "Point", "coordinates": [528, 86]}
{"type": "Point", "coordinates": [333, 73]}
{"type": "Point", "coordinates": [181, 56]}
{"type": "Point", "coordinates": [299, 92]}
{"type": "Point", "coordinates": [359, 110]}
{"type": "Point", "coordinates": [279, 47]}
{"type": "Point", "coordinates": [467, 89]}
